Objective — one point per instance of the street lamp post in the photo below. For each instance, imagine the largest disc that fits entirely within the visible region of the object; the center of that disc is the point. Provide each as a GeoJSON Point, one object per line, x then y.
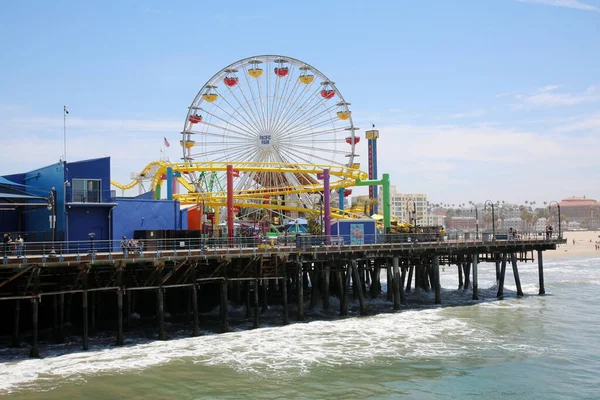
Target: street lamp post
{"type": "Point", "coordinates": [476, 219]}
{"type": "Point", "coordinates": [493, 218]}
{"type": "Point", "coordinates": [52, 207]}
{"type": "Point", "coordinates": [558, 209]}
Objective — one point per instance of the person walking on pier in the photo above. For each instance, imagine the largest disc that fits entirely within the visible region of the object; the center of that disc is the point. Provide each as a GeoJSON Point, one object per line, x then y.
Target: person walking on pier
{"type": "Point", "coordinates": [124, 246]}
{"type": "Point", "coordinates": [20, 244]}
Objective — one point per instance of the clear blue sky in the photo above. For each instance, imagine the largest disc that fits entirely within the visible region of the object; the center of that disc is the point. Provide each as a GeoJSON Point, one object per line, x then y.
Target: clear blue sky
{"type": "Point", "coordinates": [474, 100]}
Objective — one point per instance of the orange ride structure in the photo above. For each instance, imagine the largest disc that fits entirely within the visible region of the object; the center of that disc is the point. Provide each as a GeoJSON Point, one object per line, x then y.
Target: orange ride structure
{"type": "Point", "coordinates": [264, 133]}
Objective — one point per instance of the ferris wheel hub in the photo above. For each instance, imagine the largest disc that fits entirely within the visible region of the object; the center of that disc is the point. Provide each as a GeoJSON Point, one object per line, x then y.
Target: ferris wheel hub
{"type": "Point", "coordinates": [266, 140]}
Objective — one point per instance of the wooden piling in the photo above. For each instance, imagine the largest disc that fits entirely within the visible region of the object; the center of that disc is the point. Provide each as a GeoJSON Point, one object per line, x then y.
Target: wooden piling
{"type": "Point", "coordinates": [500, 294]}
{"type": "Point", "coordinates": [460, 275]}
{"type": "Point", "coordinates": [396, 283]}
{"type": "Point", "coordinates": [248, 303]}
{"type": "Point", "coordinates": [497, 262]}
{"type": "Point", "coordinates": [346, 291]}
{"type": "Point", "coordinates": [224, 307]}
{"type": "Point", "coordinates": [436, 281]}
{"type": "Point", "coordinates": [84, 312]}
{"type": "Point", "coordinates": [195, 317]}
{"type": "Point", "coordinates": [358, 287]}
{"type": "Point", "coordinates": [162, 335]}
{"type": "Point", "coordinates": [16, 338]}
{"type": "Point", "coordinates": [120, 292]}
{"type": "Point", "coordinates": [284, 289]}
{"type": "Point", "coordinates": [467, 272]}
{"type": "Point", "coordinates": [409, 279]}
{"type": "Point", "coordinates": [390, 281]}
{"type": "Point", "coordinates": [541, 272]}
{"type": "Point", "coordinates": [35, 351]}
{"type": "Point", "coordinates": [315, 282]}
{"type": "Point", "coordinates": [513, 259]}
{"type": "Point", "coordinates": [475, 280]}
{"type": "Point", "coordinates": [375, 288]}
{"type": "Point", "coordinates": [60, 337]}
{"type": "Point", "coordinates": [256, 322]}
{"type": "Point", "coordinates": [92, 307]}
{"type": "Point", "coordinates": [128, 303]}
{"type": "Point", "coordinates": [326, 283]}
{"type": "Point", "coordinates": [340, 282]}
{"type": "Point", "coordinates": [402, 278]}
{"type": "Point", "coordinates": [300, 291]}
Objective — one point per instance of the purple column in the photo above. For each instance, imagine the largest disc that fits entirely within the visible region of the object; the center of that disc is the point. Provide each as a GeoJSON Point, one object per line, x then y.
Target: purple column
{"type": "Point", "coordinates": [326, 206]}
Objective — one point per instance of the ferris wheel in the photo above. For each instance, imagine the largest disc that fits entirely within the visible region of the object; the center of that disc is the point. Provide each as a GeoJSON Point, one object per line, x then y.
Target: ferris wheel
{"type": "Point", "coordinates": [269, 109]}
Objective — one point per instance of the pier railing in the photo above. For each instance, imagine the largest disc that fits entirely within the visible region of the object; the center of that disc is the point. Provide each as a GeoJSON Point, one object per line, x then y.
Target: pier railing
{"type": "Point", "coordinates": [153, 248]}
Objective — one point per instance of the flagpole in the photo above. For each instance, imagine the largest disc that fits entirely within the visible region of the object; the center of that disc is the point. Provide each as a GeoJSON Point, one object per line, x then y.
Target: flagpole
{"type": "Point", "coordinates": [65, 112]}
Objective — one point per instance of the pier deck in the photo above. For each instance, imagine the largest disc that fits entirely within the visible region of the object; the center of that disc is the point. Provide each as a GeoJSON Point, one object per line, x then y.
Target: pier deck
{"type": "Point", "coordinates": [233, 272]}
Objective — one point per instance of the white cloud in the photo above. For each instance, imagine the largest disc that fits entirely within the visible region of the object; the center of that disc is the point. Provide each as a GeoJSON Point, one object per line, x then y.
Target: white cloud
{"type": "Point", "coordinates": [586, 124]}
{"type": "Point", "coordinates": [461, 162]}
{"type": "Point", "coordinates": [548, 97]}
{"type": "Point", "coordinates": [470, 114]}
{"type": "Point", "coordinates": [564, 3]}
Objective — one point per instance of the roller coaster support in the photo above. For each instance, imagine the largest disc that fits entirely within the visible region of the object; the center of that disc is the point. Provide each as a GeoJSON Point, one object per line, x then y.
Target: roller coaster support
{"type": "Point", "coordinates": [341, 198]}
{"type": "Point", "coordinates": [169, 183]}
{"type": "Point", "coordinates": [385, 183]}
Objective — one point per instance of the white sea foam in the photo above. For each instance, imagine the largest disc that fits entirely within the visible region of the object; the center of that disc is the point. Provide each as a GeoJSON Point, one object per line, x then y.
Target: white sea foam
{"type": "Point", "coordinates": [296, 348]}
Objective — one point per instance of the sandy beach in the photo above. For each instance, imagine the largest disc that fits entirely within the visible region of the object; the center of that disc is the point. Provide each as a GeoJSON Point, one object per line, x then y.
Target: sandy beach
{"type": "Point", "coordinates": [584, 245]}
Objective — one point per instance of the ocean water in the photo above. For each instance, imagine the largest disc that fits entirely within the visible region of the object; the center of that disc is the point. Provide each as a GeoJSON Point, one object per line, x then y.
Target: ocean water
{"type": "Point", "coordinates": [546, 347]}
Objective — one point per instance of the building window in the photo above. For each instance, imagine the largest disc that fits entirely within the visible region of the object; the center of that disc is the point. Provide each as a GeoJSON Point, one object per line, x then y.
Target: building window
{"type": "Point", "coordinates": [86, 191]}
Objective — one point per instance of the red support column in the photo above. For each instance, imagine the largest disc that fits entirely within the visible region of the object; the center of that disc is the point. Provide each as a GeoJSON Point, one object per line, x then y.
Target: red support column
{"type": "Point", "coordinates": [230, 203]}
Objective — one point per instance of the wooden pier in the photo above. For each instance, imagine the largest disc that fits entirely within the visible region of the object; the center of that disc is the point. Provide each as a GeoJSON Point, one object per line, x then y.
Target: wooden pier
{"type": "Point", "coordinates": [101, 291]}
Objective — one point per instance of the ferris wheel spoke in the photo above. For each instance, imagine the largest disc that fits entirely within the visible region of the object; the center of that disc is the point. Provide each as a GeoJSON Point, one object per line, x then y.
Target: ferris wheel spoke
{"type": "Point", "coordinates": [293, 99]}
{"type": "Point", "coordinates": [278, 100]}
{"type": "Point", "coordinates": [220, 135]}
{"type": "Point", "coordinates": [254, 102]}
{"type": "Point", "coordinates": [251, 110]}
{"type": "Point", "coordinates": [323, 158]}
{"type": "Point", "coordinates": [309, 100]}
{"type": "Point", "coordinates": [289, 109]}
{"type": "Point", "coordinates": [306, 117]}
{"type": "Point", "coordinates": [317, 150]}
{"type": "Point", "coordinates": [301, 128]}
{"type": "Point", "coordinates": [240, 130]}
{"type": "Point", "coordinates": [312, 131]}
{"type": "Point", "coordinates": [262, 104]}
{"type": "Point", "coordinates": [221, 150]}
{"type": "Point", "coordinates": [296, 156]}
{"type": "Point", "coordinates": [301, 110]}
{"type": "Point", "coordinates": [249, 125]}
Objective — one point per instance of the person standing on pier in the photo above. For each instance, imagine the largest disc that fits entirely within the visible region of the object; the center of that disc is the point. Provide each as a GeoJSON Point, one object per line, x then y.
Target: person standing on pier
{"type": "Point", "coordinates": [124, 246]}
{"type": "Point", "coordinates": [5, 242]}
{"type": "Point", "coordinates": [20, 244]}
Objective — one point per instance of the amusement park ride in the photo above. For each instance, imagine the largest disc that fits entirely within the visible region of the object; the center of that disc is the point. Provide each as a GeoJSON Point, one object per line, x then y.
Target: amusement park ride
{"type": "Point", "coordinates": [267, 137]}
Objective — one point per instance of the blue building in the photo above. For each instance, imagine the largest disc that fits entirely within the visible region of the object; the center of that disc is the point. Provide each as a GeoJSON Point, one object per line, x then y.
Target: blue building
{"type": "Point", "coordinates": [82, 204]}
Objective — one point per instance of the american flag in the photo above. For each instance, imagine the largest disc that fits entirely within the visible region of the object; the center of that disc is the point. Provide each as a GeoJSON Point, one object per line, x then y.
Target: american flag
{"type": "Point", "coordinates": [167, 142]}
